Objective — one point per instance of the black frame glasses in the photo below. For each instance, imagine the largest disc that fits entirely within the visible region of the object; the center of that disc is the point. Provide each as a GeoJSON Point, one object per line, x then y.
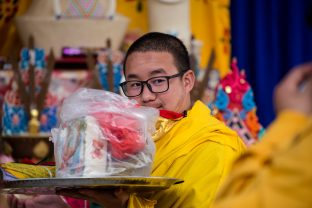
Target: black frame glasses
{"type": "Point", "coordinates": [149, 83]}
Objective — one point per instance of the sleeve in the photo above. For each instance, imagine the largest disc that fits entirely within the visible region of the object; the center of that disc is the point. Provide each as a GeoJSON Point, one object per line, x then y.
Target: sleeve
{"type": "Point", "coordinates": [275, 172]}
{"type": "Point", "coordinates": [287, 124]}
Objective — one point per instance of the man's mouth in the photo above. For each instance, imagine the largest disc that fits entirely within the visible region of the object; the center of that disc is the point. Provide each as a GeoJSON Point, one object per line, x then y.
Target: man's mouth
{"type": "Point", "coordinates": [154, 106]}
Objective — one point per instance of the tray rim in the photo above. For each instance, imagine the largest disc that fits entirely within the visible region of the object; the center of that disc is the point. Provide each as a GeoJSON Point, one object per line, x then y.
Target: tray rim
{"type": "Point", "coordinates": [52, 185]}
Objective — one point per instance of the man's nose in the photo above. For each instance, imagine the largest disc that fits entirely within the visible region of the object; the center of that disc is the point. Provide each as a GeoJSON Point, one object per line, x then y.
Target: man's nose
{"type": "Point", "coordinates": [147, 94]}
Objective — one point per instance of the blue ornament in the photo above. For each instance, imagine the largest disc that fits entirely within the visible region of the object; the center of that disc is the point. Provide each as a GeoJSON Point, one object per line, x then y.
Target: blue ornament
{"type": "Point", "coordinates": [39, 58]}
{"type": "Point", "coordinates": [50, 113]}
{"type": "Point", "coordinates": [25, 54]}
{"type": "Point", "coordinates": [248, 100]}
{"type": "Point", "coordinates": [211, 106]}
{"type": "Point", "coordinates": [102, 68]}
{"type": "Point", "coordinates": [117, 76]}
{"type": "Point", "coordinates": [243, 114]}
{"type": "Point", "coordinates": [222, 99]}
{"type": "Point", "coordinates": [227, 115]}
{"type": "Point", "coordinates": [11, 126]}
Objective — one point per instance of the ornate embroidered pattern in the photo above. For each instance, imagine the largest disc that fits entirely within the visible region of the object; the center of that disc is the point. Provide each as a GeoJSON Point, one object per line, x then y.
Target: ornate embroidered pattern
{"type": "Point", "coordinates": [84, 8]}
{"type": "Point", "coordinates": [235, 106]}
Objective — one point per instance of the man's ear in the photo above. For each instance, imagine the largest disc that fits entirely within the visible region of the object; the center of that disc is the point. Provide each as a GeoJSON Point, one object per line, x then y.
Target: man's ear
{"type": "Point", "coordinates": [189, 80]}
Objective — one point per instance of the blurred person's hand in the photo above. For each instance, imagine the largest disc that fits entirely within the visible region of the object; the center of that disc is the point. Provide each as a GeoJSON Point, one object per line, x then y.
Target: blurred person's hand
{"type": "Point", "coordinates": [294, 92]}
{"type": "Point", "coordinates": [40, 201]}
{"type": "Point", "coordinates": [106, 198]}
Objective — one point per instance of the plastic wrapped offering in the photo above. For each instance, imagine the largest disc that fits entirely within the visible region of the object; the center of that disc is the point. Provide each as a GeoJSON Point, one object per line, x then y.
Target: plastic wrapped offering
{"type": "Point", "coordinates": [103, 134]}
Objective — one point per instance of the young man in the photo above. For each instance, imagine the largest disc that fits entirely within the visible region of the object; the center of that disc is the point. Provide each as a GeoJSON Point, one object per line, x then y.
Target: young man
{"type": "Point", "coordinates": [193, 146]}
{"type": "Point", "coordinates": [190, 143]}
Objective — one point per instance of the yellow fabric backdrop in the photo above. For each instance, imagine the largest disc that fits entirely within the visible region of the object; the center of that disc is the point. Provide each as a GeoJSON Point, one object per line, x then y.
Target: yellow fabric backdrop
{"type": "Point", "coordinates": [138, 20]}
{"type": "Point", "coordinates": [8, 33]}
{"type": "Point", "coordinates": [210, 23]}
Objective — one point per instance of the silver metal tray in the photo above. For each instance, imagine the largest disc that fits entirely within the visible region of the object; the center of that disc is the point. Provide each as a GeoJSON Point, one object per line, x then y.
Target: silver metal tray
{"type": "Point", "coordinates": [53, 185]}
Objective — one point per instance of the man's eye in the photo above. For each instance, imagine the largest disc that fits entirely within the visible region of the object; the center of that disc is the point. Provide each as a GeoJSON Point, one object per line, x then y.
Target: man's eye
{"type": "Point", "coordinates": [158, 81]}
{"type": "Point", "coordinates": [134, 84]}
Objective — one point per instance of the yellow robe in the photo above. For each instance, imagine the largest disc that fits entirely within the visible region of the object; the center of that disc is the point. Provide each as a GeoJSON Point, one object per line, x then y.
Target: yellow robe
{"type": "Point", "coordinates": [198, 149]}
{"type": "Point", "coordinates": [275, 173]}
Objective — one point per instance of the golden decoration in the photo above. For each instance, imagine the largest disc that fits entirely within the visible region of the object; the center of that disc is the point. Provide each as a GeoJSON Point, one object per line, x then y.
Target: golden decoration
{"type": "Point", "coordinates": [41, 150]}
{"type": "Point", "coordinates": [34, 124]}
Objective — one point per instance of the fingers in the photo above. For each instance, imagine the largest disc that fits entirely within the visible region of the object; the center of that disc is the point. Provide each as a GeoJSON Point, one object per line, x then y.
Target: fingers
{"type": "Point", "coordinates": [22, 204]}
{"type": "Point", "coordinates": [295, 80]}
{"type": "Point", "coordinates": [107, 198]}
{"type": "Point", "coordinates": [97, 195]}
{"type": "Point", "coordinates": [122, 195]}
{"type": "Point", "coordinates": [14, 202]}
{"type": "Point", "coordinates": [73, 193]}
{"type": "Point", "coordinates": [299, 74]}
{"type": "Point", "coordinates": [295, 91]}
{"type": "Point", "coordinates": [306, 67]}
{"type": "Point", "coordinates": [88, 194]}
{"type": "Point", "coordinates": [302, 80]}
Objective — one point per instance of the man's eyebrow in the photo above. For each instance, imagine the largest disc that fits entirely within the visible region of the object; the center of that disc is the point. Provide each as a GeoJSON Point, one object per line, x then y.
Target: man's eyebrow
{"type": "Point", "coordinates": [132, 76]}
{"type": "Point", "coordinates": [157, 71]}
{"type": "Point", "coordinates": [152, 73]}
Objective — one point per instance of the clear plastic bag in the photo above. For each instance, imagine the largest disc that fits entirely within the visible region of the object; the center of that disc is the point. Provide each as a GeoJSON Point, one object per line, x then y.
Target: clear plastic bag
{"type": "Point", "coordinates": [103, 134]}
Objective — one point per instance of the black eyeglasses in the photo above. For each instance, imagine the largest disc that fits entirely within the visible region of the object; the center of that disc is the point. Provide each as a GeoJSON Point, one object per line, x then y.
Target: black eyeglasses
{"type": "Point", "coordinates": [155, 85]}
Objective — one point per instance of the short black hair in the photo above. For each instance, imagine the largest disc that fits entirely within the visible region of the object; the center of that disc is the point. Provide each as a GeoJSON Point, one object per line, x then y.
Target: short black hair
{"type": "Point", "coordinates": [161, 42]}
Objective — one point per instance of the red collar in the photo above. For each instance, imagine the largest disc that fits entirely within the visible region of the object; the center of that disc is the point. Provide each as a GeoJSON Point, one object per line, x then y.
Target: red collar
{"type": "Point", "coordinates": [171, 115]}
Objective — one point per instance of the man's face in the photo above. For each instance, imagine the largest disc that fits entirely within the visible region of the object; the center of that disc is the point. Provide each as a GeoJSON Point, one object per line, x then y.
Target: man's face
{"type": "Point", "coordinates": [141, 66]}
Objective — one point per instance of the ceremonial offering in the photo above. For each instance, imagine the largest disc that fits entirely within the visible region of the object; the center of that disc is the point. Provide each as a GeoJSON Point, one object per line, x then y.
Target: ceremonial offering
{"type": "Point", "coordinates": [54, 185]}
{"type": "Point", "coordinates": [103, 134]}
